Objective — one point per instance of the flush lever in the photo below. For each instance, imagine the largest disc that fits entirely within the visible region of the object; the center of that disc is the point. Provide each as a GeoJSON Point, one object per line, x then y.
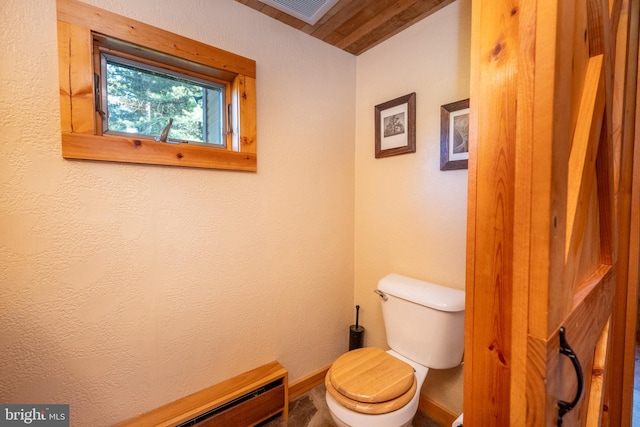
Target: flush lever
{"type": "Point", "coordinates": [382, 294]}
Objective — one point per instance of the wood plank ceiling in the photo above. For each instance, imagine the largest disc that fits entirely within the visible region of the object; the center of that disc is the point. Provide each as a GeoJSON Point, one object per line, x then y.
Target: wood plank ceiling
{"type": "Point", "coordinates": [357, 25]}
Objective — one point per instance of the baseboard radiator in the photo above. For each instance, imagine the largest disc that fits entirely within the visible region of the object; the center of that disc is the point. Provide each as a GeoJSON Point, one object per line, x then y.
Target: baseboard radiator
{"type": "Point", "coordinates": [242, 401]}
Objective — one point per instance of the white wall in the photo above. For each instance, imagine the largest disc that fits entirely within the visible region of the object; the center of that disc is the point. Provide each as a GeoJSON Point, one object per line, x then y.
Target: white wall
{"type": "Point", "coordinates": [410, 216]}
{"type": "Point", "coordinates": [124, 287]}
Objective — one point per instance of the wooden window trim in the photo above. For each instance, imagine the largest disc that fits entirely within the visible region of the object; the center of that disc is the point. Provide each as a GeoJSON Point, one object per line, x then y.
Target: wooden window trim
{"type": "Point", "coordinates": [77, 24]}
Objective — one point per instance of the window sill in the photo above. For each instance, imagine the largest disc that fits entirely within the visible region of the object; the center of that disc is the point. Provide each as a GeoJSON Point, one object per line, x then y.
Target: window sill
{"type": "Point", "coordinates": [137, 150]}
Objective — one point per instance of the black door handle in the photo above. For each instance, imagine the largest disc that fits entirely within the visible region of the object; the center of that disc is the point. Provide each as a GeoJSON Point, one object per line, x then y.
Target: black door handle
{"type": "Point", "coordinates": [564, 407]}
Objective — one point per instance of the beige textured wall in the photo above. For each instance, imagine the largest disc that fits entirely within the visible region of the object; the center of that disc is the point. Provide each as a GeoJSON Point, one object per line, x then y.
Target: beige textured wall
{"type": "Point", "coordinates": [410, 216]}
{"type": "Point", "coordinates": [124, 287]}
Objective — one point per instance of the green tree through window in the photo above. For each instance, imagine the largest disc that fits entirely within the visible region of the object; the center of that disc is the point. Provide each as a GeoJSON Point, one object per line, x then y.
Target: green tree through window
{"type": "Point", "coordinates": [141, 101]}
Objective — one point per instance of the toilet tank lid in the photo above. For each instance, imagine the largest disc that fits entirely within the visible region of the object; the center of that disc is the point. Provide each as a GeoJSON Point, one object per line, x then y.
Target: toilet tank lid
{"type": "Point", "coordinates": [424, 293]}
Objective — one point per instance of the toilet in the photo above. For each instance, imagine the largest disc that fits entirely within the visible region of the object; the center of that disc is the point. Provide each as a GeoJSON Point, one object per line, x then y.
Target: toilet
{"type": "Point", "coordinates": [424, 324]}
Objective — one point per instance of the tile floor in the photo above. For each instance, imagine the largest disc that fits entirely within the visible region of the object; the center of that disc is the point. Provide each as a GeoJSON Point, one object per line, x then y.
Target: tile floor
{"type": "Point", "coordinates": [310, 410]}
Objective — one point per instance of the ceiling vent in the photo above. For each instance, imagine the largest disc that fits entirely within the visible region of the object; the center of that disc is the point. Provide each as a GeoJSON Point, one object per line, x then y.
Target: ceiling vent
{"type": "Point", "coordinates": [309, 11]}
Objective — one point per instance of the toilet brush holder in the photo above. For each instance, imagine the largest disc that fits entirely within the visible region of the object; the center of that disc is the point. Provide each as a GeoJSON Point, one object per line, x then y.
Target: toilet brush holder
{"type": "Point", "coordinates": [356, 337]}
{"type": "Point", "coordinates": [356, 333]}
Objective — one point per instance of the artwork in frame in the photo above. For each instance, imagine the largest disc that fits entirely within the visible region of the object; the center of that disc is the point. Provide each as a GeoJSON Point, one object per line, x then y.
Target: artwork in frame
{"type": "Point", "coordinates": [396, 126]}
{"type": "Point", "coordinates": [454, 135]}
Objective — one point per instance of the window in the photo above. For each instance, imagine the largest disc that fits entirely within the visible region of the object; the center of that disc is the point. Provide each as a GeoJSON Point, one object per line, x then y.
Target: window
{"type": "Point", "coordinates": [134, 93]}
{"type": "Point", "coordinates": [143, 100]}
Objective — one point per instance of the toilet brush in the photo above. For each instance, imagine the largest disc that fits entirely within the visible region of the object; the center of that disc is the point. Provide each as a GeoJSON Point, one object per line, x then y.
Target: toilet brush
{"type": "Point", "coordinates": [357, 314]}
{"type": "Point", "coordinates": [356, 333]}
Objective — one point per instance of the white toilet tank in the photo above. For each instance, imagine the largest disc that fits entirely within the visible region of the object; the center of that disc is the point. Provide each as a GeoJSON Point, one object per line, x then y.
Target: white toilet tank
{"type": "Point", "coordinates": [424, 322]}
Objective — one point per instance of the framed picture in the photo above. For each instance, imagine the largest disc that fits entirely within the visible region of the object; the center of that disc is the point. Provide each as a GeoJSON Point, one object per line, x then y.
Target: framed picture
{"type": "Point", "coordinates": [454, 135]}
{"type": "Point", "coordinates": [396, 126]}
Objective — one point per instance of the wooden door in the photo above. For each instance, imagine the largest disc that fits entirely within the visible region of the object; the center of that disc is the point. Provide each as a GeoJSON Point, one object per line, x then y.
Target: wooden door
{"type": "Point", "coordinates": [547, 214]}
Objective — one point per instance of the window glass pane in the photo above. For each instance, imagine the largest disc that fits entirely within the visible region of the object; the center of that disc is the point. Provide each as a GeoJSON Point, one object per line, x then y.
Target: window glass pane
{"type": "Point", "coordinates": [140, 100]}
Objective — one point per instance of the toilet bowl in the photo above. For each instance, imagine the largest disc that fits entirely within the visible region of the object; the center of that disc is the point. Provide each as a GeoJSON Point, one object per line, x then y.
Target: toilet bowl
{"type": "Point", "coordinates": [424, 324]}
{"type": "Point", "coordinates": [401, 417]}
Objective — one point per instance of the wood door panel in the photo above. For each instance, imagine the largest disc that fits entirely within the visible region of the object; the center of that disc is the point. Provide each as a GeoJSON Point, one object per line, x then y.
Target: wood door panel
{"type": "Point", "coordinates": [590, 255]}
{"type": "Point", "coordinates": [591, 313]}
{"type": "Point", "coordinates": [596, 394]}
{"type": "Point", "coordinates": [584, 150]}
{"type": "Point", "coordinates": [580, 59]}
{"type": "Point", "coordinates": [542, 210]}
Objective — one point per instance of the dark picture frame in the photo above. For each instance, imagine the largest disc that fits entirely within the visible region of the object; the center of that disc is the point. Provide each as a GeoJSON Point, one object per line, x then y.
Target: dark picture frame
{"type": "Point", "coordinates": [454, 135]}
{"type": "Point", "coordinates": [395, 123]}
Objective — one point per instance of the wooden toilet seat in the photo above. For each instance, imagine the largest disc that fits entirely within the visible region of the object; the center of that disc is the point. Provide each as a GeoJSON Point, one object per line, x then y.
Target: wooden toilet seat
{"type": "Point", "coordinates": [371, 381]}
